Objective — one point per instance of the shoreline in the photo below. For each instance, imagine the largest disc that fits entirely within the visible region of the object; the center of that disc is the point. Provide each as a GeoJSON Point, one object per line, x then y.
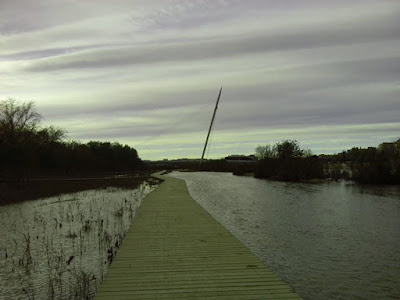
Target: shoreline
{"type": "Point", "coordinates": [16, 191]}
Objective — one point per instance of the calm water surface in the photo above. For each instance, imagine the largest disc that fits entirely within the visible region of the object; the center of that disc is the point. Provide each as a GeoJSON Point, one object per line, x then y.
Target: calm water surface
{"type": "Point", "coordinates": [61, 247]}
{"type": "Point", "coordinates": [328, 241]}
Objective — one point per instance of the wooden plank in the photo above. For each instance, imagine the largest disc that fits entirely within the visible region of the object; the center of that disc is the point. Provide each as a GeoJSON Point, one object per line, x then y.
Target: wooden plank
{"type": "Point", "coordinates": [177, 250]}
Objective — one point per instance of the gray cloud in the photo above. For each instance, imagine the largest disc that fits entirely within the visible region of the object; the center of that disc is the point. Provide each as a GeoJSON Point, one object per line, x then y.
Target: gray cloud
{"type": "Point", "coordinates": [380, 29]}
{"type": "Point", "coordinates": [147, 73]}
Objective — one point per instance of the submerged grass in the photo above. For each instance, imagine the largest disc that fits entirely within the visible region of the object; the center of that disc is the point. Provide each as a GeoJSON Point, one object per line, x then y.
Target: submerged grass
{"type": "Point", "coordinates": [61, 247]}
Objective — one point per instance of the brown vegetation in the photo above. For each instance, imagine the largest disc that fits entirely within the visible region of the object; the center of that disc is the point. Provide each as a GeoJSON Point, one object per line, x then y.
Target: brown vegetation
{"type": "Point", "coordinates": [12, 191]}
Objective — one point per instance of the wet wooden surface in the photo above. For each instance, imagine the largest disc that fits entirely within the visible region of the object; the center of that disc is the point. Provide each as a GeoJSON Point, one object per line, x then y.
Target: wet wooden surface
{"type": "Point", "coordinates": [177, 250]}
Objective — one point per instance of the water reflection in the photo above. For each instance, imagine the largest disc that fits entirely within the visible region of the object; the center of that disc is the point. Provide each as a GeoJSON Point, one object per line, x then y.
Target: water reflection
{"type": "Point", "coordinates": [61, 247]}
{"type": "Point", "coordinates": [329, 241]}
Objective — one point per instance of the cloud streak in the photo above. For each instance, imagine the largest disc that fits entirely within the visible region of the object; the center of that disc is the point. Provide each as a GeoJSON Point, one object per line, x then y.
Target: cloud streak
{"type": "Point", "coordinates": [147, 73]}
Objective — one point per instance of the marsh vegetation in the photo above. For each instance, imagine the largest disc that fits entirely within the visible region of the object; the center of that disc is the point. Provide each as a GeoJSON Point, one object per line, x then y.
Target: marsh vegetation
{"type": "Point", "coordinates": [61, 247]}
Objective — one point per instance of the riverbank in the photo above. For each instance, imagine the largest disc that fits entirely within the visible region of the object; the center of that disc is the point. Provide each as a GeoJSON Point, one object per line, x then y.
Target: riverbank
{"type": "Point", "coordinates": [18, 190]}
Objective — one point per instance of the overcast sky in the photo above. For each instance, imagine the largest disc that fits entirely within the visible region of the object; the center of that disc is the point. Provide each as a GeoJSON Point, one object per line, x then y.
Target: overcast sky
{"type": "Point", "coordinates": [147, 73]}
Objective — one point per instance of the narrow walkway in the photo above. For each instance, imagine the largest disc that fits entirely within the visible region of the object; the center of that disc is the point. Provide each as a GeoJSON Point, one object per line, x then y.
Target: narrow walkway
{"type": "Point", "coordinates": [177, 250]}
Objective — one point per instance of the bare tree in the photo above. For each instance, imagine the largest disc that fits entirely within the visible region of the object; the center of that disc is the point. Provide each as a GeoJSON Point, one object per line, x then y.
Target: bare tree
{"type": "Point", "coordinates": [266, 151]}
{"type": "Point", "coordinates": [51, 134]}
{"type": "Point", "coordinates": [17, 119]}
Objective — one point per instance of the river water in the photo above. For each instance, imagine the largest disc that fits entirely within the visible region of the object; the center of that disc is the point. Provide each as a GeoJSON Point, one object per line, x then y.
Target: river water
{"type": "Point", "coordinates": [61, 247]}
{"type": "Point", "coordinates": [333, 240]}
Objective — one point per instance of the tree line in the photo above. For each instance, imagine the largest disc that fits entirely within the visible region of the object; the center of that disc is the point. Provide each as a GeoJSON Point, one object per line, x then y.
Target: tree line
{"type": "Point", "coordinates": [29, 149]}
{"type": "Point", "coordinates": [287, 161]}
{"type": "Point", "coordinates": [372, 165]}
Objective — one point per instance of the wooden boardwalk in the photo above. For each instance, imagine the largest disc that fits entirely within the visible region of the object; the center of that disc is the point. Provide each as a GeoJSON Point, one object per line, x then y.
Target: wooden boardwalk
{"type": "Point", "coordinates": [177, 250]}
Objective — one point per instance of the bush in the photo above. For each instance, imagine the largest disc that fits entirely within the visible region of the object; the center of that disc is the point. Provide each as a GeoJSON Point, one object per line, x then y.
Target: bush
{"type": "Point", "coordinates": [288, 162]}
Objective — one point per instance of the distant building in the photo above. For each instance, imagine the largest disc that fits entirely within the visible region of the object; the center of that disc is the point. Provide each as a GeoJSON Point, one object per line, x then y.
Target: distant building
{"type": "Point", "coordinates": [241, 158]}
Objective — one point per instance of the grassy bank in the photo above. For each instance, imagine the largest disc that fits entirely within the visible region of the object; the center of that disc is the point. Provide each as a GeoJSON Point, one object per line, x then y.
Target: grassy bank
{"type": "Point", "coordinates": [14, 191]}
